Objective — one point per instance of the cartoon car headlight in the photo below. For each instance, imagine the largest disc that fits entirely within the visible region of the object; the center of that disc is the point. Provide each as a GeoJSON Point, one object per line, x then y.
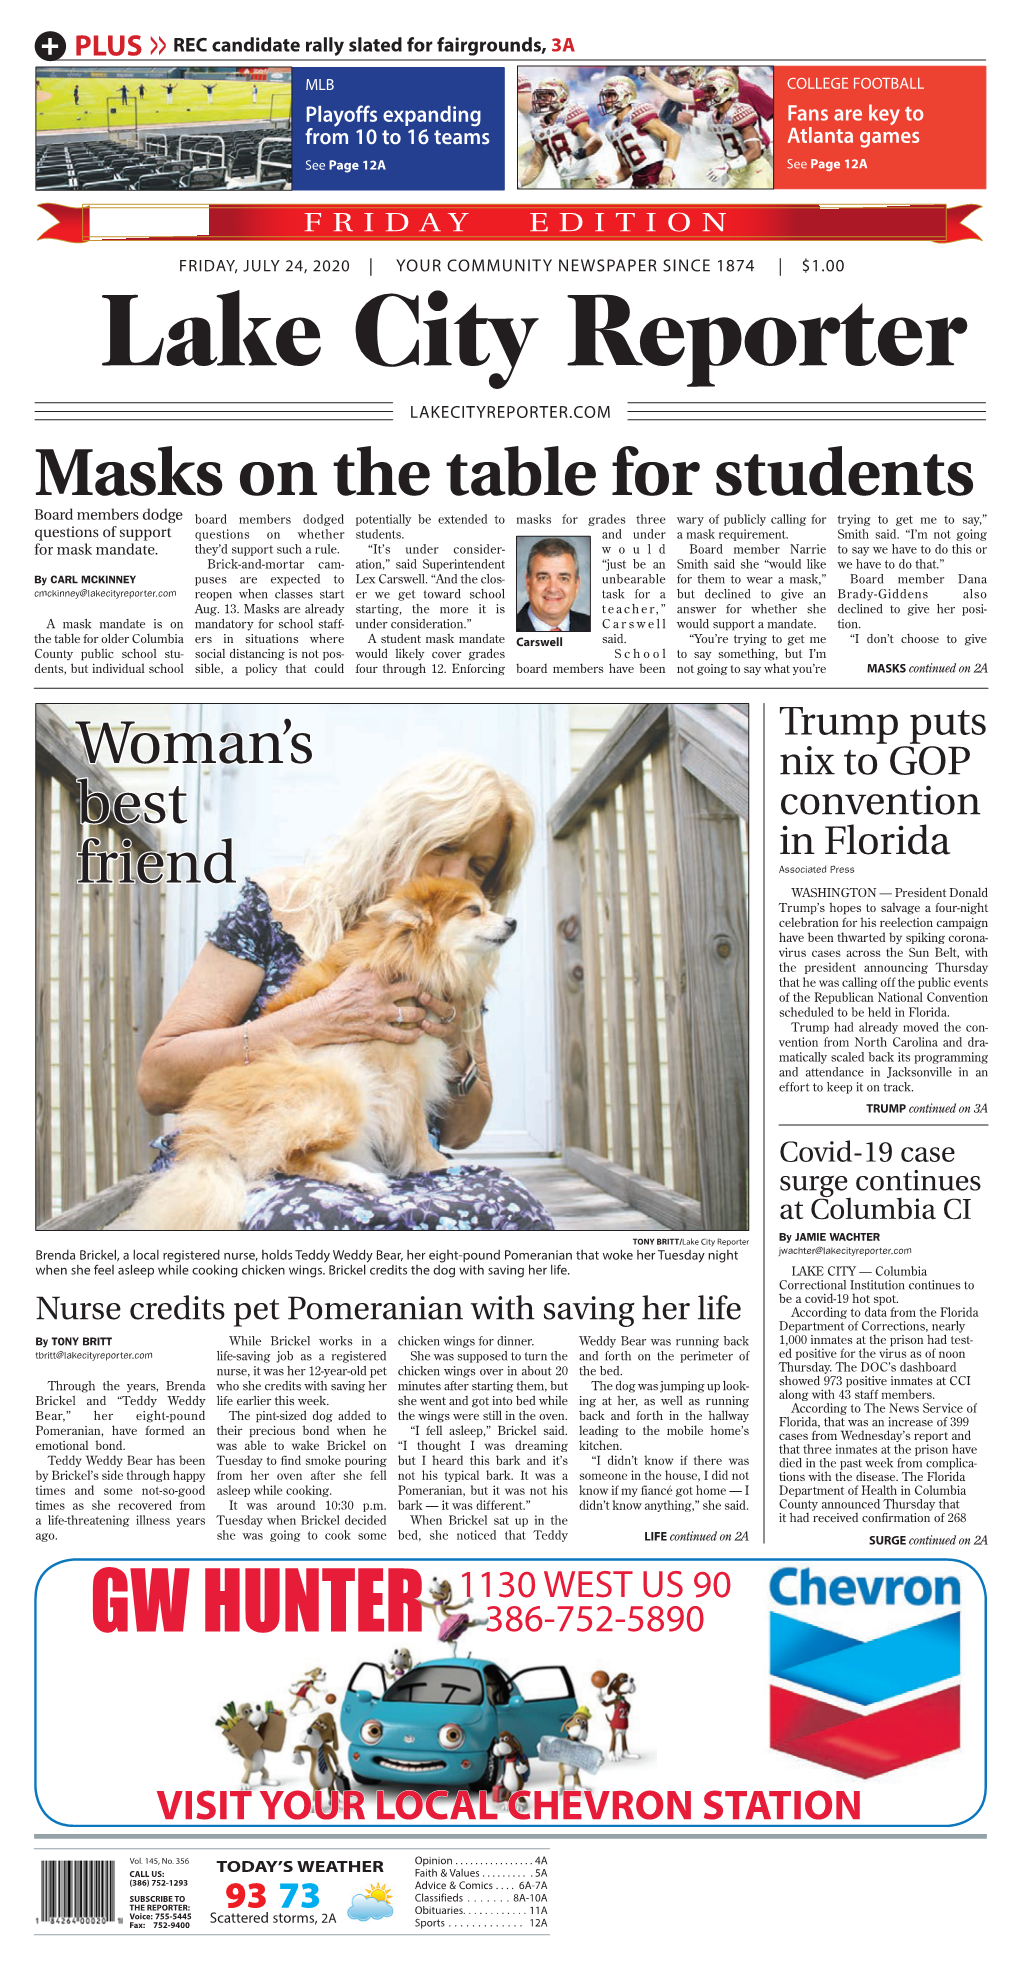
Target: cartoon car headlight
{"type": "Point", "coordinates": [372, 1732]}
{"type": "Point", "coordinates": [451, 1736]}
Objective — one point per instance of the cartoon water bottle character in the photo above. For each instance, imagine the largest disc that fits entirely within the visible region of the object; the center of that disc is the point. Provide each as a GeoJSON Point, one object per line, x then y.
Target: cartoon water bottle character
{"type": "Point", "coordinates": [571, 1750]}
{"type": "Point", "coordinates": [451, 1618]}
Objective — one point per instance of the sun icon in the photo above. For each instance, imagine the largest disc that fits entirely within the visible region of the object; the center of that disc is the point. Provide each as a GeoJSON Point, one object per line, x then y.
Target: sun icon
{"type": "Point", "coordinates": [378, 1892]}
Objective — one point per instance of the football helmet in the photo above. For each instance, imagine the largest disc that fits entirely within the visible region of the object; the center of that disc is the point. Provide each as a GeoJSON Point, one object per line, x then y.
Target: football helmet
{"type": "Point", "coordinates": [722, 85]}
{"type": "Point", "coordinates": [549, 96]}
{"type": "Point", "coordinates": [619, 93]}
{"type": "Point", "coordinates": [681, 76]}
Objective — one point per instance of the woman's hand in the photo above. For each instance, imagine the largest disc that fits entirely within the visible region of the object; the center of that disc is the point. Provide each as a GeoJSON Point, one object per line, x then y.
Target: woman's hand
{"type": "Point", "coordinates": [442, 1018]}
{"type": "Point", "coordinates": [359, 1007]}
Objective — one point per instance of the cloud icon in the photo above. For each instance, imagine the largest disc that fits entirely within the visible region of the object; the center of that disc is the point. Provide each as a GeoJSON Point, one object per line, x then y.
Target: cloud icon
{"type": "Point", "coordinates": [362, 1908]}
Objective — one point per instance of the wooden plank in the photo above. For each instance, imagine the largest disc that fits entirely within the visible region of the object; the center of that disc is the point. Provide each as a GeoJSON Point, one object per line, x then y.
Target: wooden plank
{"type": "Point", "coordinates": [591, 958]}
{"type": "Point", "coordinates": [100, 1056]}
{"type": "Point", "coordinates": [125, 1066]}
{"type": "Point", "coordinates": [628, 741]}
{"type": "Point", "coordinates": [570, 994]}
{"type": "Point", "coordinates": [103, 1210]}
{"type": "Point", "coordinates": [616, 993]}
{"type": "Point", "coordinates": [60, 752]}
{"type": "Point", "coordinates": [144, 961]}
{"type": "Point", "coordinates": [642, 970]}
{"type": "Point", "coordinates": [146, 986]}
{"type": "Point", "coordinates": [683, 1134]}
{"type": "Point", "coordinates": [71, 1011]}
{"type": "Point", "coordinates": [715, 750]}
{"type": "Point", "coordinates": [670, 1208]}
{"type": "Point", "coordinates": [715, 937]}
{"type": "Point", "coordinates": [43, 1005]}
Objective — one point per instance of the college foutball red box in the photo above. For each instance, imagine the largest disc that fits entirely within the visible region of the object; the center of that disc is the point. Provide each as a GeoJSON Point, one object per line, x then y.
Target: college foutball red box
{"type": "Point", "coordinates": [870, 128]}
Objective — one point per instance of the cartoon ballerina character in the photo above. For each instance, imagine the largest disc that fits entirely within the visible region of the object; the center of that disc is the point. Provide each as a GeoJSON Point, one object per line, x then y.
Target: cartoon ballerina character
{"type": "Point", "coordinates": [303, 1688]}
{"type": "Point", "coordinates": [451, 1618]}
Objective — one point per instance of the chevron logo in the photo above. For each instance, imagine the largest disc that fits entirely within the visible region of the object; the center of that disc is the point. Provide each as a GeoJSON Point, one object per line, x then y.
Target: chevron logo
{"type": "Point", "coordinates": [881, 1718]}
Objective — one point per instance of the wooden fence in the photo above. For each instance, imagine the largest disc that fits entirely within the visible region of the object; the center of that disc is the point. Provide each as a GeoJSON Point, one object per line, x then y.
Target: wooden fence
{"type": "Point", "coordinates": [100, 995]}
{"type": "Point", "coordinates": [689, 764]}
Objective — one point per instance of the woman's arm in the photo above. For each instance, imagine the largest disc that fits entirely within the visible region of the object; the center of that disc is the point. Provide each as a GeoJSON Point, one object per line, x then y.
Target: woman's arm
{"type": "Point", "coordinates": [200, 1032]}
{"type": "Point", "coordinates": [465, 1117]}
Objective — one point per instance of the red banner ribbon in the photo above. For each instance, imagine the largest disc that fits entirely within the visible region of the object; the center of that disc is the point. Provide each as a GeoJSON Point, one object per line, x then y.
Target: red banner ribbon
{"type": "Point", "coordinates": [553, 224]}
{"type": "Point", "coordinates": [72, 226]}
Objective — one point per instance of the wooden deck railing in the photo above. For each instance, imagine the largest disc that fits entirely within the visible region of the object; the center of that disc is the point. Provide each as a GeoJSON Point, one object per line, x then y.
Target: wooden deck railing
{"type": "Point", "coordinates": [108, 973]}
{"type": "Point", "coordinates": [689, 764]}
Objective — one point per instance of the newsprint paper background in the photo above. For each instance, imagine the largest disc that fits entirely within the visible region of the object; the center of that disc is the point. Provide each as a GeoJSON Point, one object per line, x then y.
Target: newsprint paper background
{"type": "Point", "coordinates": [513, 630]}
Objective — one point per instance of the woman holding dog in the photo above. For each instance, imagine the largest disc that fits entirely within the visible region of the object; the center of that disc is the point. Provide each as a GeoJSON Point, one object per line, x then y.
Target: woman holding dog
{"type": "Point", "coordinates": [448, 816]}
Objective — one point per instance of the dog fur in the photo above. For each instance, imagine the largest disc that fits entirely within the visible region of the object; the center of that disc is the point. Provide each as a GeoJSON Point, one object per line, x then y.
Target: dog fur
{"type": "Point", "coordinates": [342, 1113]}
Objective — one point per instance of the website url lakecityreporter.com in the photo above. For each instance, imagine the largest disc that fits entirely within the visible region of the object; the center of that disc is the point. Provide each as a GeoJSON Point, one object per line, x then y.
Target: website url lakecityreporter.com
{"type": "Point", "coordinates": [500, 411]}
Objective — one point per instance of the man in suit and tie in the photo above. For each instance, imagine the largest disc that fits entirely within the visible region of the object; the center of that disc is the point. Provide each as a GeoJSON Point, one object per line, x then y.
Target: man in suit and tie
{"type": "Point", "coordinates": [551, 582]}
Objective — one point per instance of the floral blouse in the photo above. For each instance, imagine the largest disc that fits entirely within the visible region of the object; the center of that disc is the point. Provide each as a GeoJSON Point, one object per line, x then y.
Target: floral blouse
{"type": "Point", "coordinates": [250, 932]}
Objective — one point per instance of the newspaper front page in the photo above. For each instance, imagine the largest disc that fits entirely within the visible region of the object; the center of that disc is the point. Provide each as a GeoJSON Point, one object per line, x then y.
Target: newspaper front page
{"type": "Point", "coordinates": [520, 1297]}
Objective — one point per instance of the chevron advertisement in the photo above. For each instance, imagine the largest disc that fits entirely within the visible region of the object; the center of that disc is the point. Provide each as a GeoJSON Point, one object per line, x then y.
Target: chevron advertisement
{"type": "Point", "coordinates": [873, 1704]}
{"type": "Point", "coordinates": [816, 1693]}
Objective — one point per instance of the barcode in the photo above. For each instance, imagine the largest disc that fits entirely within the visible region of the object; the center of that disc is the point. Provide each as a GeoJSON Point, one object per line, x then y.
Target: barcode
{"type": "Point", "coordinates": [77, 1889]}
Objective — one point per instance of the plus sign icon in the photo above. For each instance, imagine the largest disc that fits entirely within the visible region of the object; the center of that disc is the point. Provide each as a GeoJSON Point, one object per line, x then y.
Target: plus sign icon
{"type": "Point", "coordinates": [51, 47]}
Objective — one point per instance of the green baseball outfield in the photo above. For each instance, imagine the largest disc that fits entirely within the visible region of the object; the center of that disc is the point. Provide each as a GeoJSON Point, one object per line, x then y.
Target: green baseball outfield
{"type": "Point", "coordinates": [236, 100]}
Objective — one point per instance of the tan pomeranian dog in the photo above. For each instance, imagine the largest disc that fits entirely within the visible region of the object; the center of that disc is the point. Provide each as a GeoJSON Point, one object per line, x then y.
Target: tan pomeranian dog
{"type": "Point", "coordinates": [344, 1113]}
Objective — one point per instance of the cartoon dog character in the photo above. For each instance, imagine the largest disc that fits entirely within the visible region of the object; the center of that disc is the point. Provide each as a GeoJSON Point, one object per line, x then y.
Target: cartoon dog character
{"type": "Point", "coordinates": [399, 1663]}
{"type": "Point", "coordinates": [575, 1729]}
{"type": "Point", "coordinates": [304, 1686]}
{"type": "Point", "coordinates": [452, 1620]}
{"type": "Point", "coordinates": [250, 1731]}
{"type": "Point", "coordinates": [321, 1745]}
{"type": "Point", "coordinates": [508, 1768]}
{"type": "Point", "coordinates": [615, 1697]}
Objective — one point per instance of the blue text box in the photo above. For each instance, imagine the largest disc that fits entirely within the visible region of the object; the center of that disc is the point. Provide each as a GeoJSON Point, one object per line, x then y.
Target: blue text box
{"type": "Point", "coordinates": [398, 129]}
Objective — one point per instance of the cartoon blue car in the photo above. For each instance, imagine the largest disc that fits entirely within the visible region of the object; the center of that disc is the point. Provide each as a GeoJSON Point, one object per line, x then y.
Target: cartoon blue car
{"type": "Point", "coordinates": [437, 1724]}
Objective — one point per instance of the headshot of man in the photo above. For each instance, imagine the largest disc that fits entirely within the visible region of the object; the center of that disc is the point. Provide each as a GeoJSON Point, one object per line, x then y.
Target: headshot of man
{"type": "Point", "coordinates": [552, 581]}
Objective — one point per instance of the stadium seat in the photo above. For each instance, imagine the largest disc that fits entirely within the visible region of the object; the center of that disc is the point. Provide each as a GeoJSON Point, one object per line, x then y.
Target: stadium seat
{"type": "Point", "coordinates": [207, 145]}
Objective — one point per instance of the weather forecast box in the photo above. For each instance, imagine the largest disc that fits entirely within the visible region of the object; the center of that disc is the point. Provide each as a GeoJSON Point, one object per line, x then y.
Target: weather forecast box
{"type": "Point", "coordinates": [868, 128]}
{"type": "Point", "coordinates": [398, 129]}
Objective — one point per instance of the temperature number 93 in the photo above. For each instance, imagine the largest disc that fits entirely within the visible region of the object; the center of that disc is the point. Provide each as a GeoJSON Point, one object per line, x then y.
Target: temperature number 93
{"type": "Point", "coordinates": [255, 1895]}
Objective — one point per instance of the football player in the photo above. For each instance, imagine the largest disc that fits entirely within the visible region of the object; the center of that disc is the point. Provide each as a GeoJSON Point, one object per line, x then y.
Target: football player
{"type": "Point", "coordinates": [745, 164]}
{"type": "Point", "coordinates": [749, 91]}
{"type": "Point", "coordinates": [561, 135]}
{"type": "Point", "coordinates": [685, 85]}
{"type": "Point", "coordinates": [645, 149]}
{"type": "Point", "coordinates": [682, 76]}
{"type": "Point", "coordinates": [672, 112]}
